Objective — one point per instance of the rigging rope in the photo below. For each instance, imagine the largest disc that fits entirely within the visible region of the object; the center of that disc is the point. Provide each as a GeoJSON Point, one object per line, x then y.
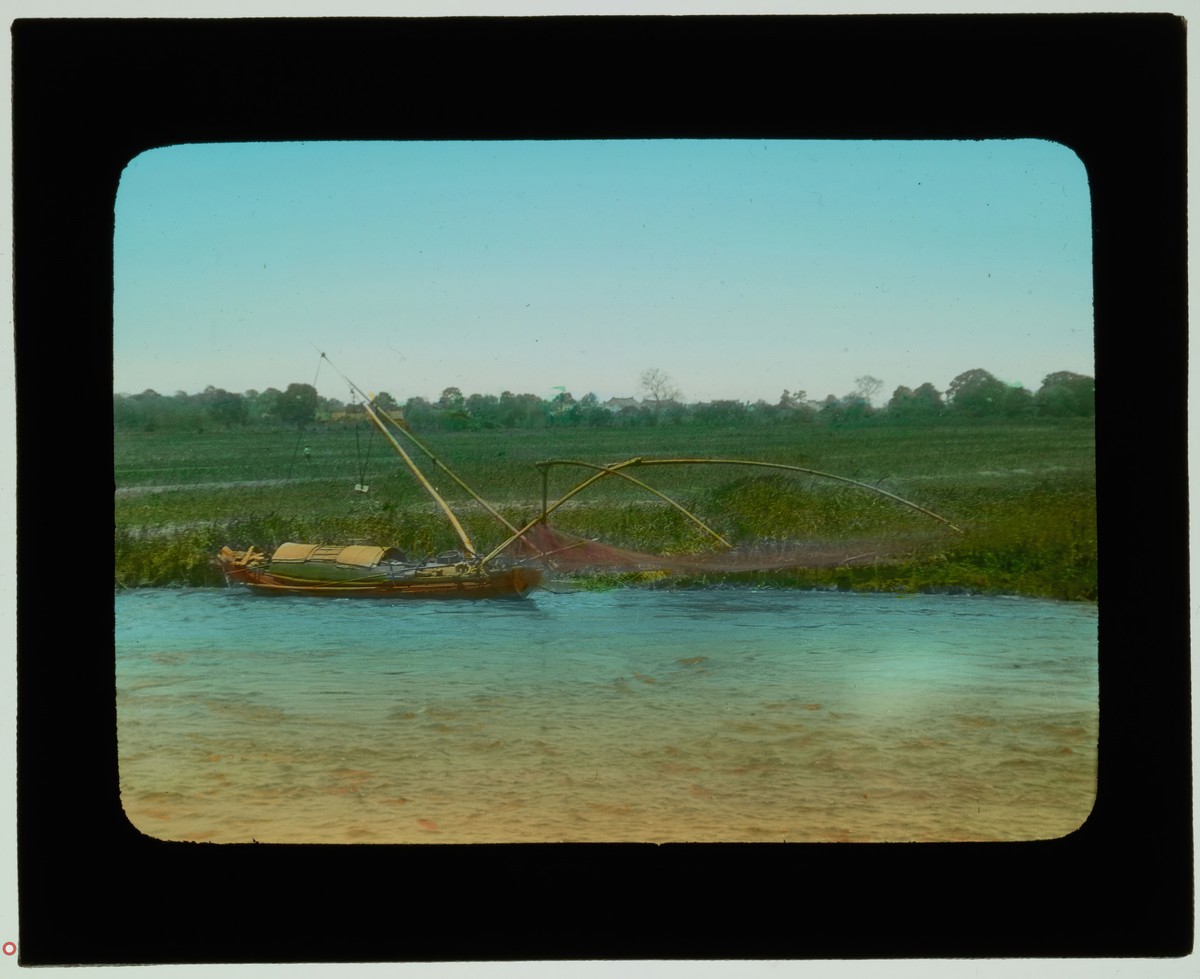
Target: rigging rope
{"type": "Point", "coordinates": [362, 459]}
{"type": "Point", "coordinates": [300, 431]}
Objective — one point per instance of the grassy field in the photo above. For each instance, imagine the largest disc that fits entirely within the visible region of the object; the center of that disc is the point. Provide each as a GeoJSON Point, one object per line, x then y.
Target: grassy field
{"type": "Point", "coordinates": [1023, 494]}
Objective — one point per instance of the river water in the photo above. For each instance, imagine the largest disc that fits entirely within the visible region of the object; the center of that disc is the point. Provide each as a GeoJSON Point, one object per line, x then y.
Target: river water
{"type": "Point", "coordinates": [642, 715]}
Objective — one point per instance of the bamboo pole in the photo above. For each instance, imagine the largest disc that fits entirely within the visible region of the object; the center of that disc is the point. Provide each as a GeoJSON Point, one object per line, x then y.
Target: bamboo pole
{"type": "Point", "coordinates": [454, 476]}
{"type": "Point", "coordinates": [462, 534]}
{"type": "Point", "coordinates": [602, 472]}
{"type": "Point", "coordinates": [370, 399]}
{"type": "Point", "coordinates": [616, 471]}
{"type": "Point", "coordinates": [639, 461]}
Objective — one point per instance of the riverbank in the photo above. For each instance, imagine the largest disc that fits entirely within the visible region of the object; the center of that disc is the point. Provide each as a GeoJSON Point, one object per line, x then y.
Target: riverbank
{"type": "Point", "coordinates": [1023, 497]}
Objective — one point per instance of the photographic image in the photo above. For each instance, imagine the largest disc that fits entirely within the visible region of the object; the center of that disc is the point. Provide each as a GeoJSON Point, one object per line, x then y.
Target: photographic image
{"type": "Point", "coordinates": [605, 491]}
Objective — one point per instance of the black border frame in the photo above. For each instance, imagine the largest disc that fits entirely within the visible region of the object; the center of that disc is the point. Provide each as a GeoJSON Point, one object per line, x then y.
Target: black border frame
{"type": "Point", "coordinates": [90, 94]}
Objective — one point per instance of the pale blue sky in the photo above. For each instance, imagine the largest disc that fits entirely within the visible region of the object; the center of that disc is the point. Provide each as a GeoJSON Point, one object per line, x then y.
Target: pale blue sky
{"type": "Point", "coordinates": [739, 268]}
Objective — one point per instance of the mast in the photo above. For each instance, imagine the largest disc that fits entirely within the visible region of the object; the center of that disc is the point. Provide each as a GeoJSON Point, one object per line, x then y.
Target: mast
{"type": "Point", "coordinates": [428, 486]}
{"type": "Point", "coordinates": [378, 422]}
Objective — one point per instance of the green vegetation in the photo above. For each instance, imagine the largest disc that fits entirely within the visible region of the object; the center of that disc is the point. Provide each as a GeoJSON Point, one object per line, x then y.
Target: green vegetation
{"type": "Point", "coordinates": [973, 394]}
{"type": "Point", "coordinates": [1023, 493]}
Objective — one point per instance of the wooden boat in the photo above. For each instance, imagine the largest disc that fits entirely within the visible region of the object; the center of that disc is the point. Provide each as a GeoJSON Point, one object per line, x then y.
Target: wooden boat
{"type": "Point", "coordinates": [368, 571]}
{"type": "Point", "coordinates": [373, 572]}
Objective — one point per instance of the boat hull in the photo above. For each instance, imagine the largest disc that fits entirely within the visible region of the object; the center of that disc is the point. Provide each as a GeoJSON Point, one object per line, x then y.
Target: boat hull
{"type": "Point", "coordinates": [436, 582]}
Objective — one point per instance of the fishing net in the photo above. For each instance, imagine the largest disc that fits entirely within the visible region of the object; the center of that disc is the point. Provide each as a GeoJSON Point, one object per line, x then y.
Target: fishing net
{"type": "Point", "coordinates": [569, 554]}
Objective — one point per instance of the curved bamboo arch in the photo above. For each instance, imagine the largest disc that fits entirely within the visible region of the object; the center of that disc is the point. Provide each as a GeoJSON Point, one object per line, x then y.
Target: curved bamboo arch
{"type": "Point", "coordinates": [639, 461]}
{"type": "Point", "coordinates": [617, 469]}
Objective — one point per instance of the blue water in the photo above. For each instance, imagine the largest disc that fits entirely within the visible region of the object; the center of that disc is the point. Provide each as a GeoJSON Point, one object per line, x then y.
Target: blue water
{"type": "Point", "coordinates": [628, 715]}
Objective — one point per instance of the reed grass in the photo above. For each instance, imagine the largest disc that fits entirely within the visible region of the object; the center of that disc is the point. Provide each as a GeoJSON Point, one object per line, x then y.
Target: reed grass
{"type": "Point", "coordinates": [1024, 496]}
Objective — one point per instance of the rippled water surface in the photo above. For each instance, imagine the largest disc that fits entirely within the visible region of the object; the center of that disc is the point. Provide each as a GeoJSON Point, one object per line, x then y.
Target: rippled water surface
{"type": "Point", "coordinates": [629, 715]}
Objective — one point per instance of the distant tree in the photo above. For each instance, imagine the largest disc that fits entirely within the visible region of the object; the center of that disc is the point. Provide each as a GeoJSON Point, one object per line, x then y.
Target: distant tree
{"type": "Point", "coordinates": [1066, 394]}
{"type": "Point", "coordinates": [675, 413]}
{"type": "Point", "coordinates": [976, 393]}
{"type": "Point", "coordinates": [588, 411]}
{"type": "Point", "coordinates": [1017, 401]}
{"type": "Point", "coordinates": [126, 413]}
{"type": "Point", "coordinates": [866, 387]}
{"type": "Point", "coordinates": [297, 405]}
{"type": "Point", "coordinates": [907, 404]}
{"type": "Point", "coordinates": [901, 398]}
{"type": "Point", "coordinates": [484, 408]}
{"type": "Point", "coordinates": [851, 408]}
{"type": "Point", "coordinates": [451, 399]}
{"type": "Point", "coordinates": [658, 388]}
{"type": "Point", "coordinates": [418, 412]}
{"type": "Point", "coordinates": [386, 401]}
{"type": "Point", "coordinates": [630, 415]}
{"type": "Point", "coordinates": [224, 408]}
{"type": "Point", "coordinates": [854, 408]}
{"type": "Point", "coordinates": [930, 397]}
{"type": "Point", "coordinates": [327, 407]}
{"type": "Point", "coordinates": [763, 412]}
{"type": "Point", "coordinates": [721, 413]}
{"type": "Point", "coordinates": [151, 412]}
{"type": "Point", "coordinates": [266, 406]}
{"type": "Point", "coordinates": [521, 410]}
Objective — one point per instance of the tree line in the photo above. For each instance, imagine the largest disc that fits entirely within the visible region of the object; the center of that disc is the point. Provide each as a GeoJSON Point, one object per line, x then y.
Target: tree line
{"type": "Point", "coordinates": [972, 394]}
